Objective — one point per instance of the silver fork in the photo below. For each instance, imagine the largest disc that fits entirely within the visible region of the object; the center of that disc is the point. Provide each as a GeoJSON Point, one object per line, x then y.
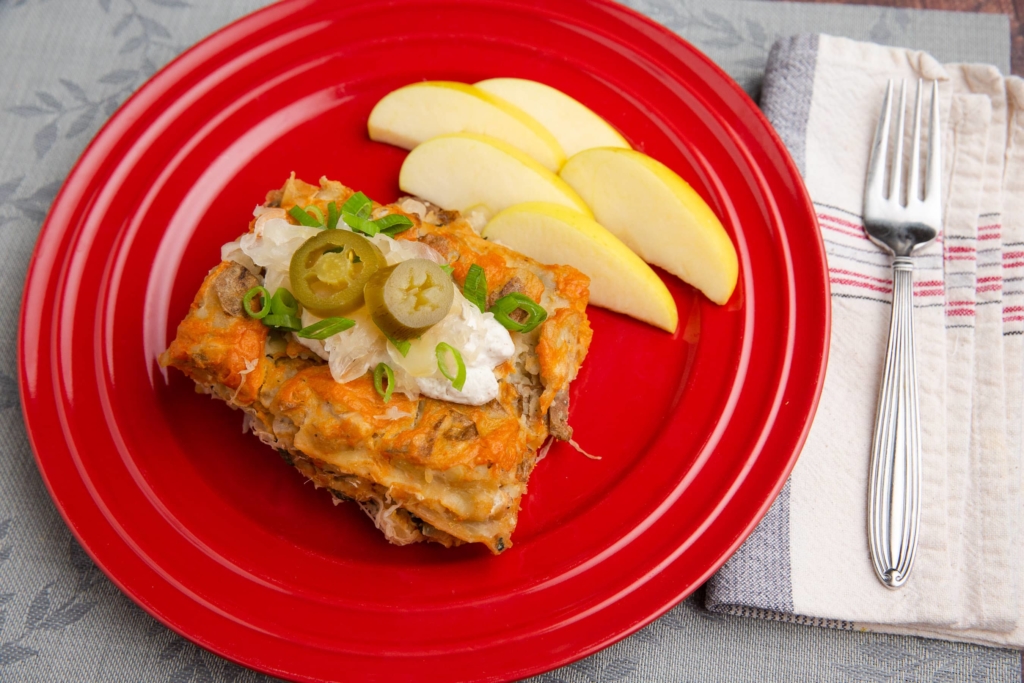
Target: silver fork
{"type": "Point", "coordinates": [894, 490]}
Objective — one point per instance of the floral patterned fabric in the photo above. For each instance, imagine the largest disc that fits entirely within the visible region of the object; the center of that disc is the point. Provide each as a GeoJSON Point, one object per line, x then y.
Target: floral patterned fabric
{"type": "Point", "coordinates": [65, 66]}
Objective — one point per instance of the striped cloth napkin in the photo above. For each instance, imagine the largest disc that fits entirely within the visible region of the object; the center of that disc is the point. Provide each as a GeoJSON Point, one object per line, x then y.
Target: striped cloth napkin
{"type": "Point", "coordinates": [808, 560]}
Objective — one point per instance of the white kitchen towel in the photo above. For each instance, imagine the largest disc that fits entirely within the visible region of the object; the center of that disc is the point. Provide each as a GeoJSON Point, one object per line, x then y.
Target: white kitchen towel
{"type": "Point", "coordinates": [970, 115]}
{"type": "Point", "coordinates": [808, 561]}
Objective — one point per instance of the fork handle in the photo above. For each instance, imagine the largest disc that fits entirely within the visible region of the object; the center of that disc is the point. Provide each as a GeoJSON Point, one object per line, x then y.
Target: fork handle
{"type": "Point", "coordinates": [894, 495]}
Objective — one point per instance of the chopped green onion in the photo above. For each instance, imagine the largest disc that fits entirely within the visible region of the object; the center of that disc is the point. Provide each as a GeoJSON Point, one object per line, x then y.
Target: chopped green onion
{"type": "Point", "coordinates": [506, 305]}
{"type": "Point", "coordinates": [326, 328]}
{"type": "Point", "coordinates": [264, 306]}
{"type": "Point", "coordinates": [379, 373]}
{"type": "Point", "coordinates": [448, 269]}
{"type": "Point", "coordinates": [356, 212]}
{"type": "Point", "coordinates": [475, 287]}
{"type": "Point", "coordinates": [393, 224]}
{"type": "Point", "coordinates": [359, 205]}
{"type": "Point", "coordinates": [359, 223]}
{"type": "Point", "coordinates": [332, 216]}
{"type": "Point", "coordinates": [459, 379]}
{"type": "Point", "coordinates": [304, 218]}
{"type": "Point", "coordinates": [403, 346]}
{"type": "Point", "coordinates": [283, 322]}
{"type": "Point", "coordinates": [283, 303]}
{"type": "Point", "coordinates": [316, 213]}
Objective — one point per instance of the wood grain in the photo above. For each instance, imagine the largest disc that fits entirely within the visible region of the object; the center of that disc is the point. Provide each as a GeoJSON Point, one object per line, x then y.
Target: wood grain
{"type": "Point", "coordinates": [1013, 8]}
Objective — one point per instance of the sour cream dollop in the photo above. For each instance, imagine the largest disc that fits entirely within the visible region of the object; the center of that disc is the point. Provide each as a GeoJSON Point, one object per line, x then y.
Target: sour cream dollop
{"type": "Point", "coordinates": [481, 340]}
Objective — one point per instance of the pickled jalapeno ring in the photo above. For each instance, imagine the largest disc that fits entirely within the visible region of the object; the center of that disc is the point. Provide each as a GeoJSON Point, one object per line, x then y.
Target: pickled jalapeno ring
{"type": "Point", "coordinates": [328, 272]}
{"type": "Point", "coordinates": [408, 298]}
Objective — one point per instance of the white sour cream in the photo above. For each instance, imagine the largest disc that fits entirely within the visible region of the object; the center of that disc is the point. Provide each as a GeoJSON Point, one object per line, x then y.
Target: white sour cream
{"type": "Point", "coordinates": [481, 340]}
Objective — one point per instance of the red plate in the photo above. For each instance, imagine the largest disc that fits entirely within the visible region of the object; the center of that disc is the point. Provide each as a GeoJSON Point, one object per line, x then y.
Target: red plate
{"type": "Point", "coordinates": [215, 536]}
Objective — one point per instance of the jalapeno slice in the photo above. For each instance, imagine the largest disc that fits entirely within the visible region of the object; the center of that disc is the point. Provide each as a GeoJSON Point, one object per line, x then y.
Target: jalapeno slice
{"type": "Point", "coordinates": [328, 272]}
{"type": "Point", "coordinates": [408, 298]}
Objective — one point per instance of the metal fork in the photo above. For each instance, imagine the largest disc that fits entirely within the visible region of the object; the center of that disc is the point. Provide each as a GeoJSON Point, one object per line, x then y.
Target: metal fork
{"type": "Point", "coordinates": [894, 495]}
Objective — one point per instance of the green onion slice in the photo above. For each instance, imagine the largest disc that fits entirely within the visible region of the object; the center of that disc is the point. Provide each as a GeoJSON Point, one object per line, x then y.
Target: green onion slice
{"type": "Point", "coordinates": [358, 205]}
{"type": "Point", "coordinates": [316, 213]}
{"type": "Point", "coordinates": [304, 218]}
{"type": "Point", "coordinates": [333, 214]}
{"type": "Point", "coordinates": [359, 223]}
{"type": "Point", "coordinates": [283, 303]}
{"type": "Point", "coordinates": [475, 287]}
{"type": "Point", "coordinates": [283, 322]}
{"type": "Point", "coordinates": [327, 327]}
{"type": "Point", "coordinates": [382, 371]}
{"type": "Point", "coordinates": [393, 224]}
{"type": "Point", "coordinates": [264, 305]}
{"type": "Point", "coordinates": [506, 305]}
{"type": "Point", "coordinates": [448, 269]}
{"type": "Point", "coordinates": [403, 346]}
{"type": "Point", "coordinates": [458, 380]}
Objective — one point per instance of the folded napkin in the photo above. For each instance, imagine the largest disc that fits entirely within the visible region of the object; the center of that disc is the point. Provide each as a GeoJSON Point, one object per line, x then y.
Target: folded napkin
{"type": "Point", "coordinates": [808, 561]}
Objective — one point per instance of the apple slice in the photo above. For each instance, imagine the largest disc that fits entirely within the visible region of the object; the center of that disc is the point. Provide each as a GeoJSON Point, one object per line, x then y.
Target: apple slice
{"type": "Point", "coordinates": [619, 280]}
{"type": "Point", "coordinates": [411, 115]}
{"type": "Point", "coordinates": [466, 171]}
{"type": "Point", "coordinates": [657, 215]}
{"type": "Point", "coordinates": [574, 125]}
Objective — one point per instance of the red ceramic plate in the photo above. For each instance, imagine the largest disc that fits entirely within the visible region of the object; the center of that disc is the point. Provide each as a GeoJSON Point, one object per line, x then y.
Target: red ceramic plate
{"type": "Point", "coordinates": [218, 538]}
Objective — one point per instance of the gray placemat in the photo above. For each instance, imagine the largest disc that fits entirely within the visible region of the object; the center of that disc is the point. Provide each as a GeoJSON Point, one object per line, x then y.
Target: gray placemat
{"type": "Point", "coordinates": [65, 66]}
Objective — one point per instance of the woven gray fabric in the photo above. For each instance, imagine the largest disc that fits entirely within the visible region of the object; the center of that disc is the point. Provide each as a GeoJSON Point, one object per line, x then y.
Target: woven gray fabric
{"type": "Point", "coordinates": [739, 34]}
{"type": "Point", "coordinates": [786, 92]}
{"type": "Point", "coordinates": [64, 68]}
{"type": "Point", "coordinates": [758, 575]}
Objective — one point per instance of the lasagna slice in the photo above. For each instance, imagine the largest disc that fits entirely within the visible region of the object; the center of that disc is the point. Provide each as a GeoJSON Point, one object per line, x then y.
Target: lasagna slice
{"type": "Point", "coordinates": [422, 469]}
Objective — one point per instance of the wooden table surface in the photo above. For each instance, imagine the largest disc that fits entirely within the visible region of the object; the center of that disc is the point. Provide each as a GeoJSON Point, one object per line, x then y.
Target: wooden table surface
{"type": "Point", "coordinates": [1012, 8]}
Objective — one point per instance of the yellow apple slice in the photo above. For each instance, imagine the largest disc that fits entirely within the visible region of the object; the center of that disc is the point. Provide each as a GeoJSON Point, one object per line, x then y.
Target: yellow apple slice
{"type": "Point", "coordinates": [411, 115]}
{"type": "Point", "coordinates": [466, 171]}
{"type": "Point", "coordinates": [658, 215]}
{"type": "Point", "coordinates": [619, 280]}
{"type": "Point", "coordinates": [574, 125]}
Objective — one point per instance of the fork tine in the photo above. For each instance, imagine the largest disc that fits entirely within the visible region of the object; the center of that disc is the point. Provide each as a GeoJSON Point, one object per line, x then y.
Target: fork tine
{"type": "Point", "coordinates": [933, 182]}
{"type": "Point", "coordinates": [896, 180]}
{"type": "Point", "coordinates": [914, 183]}
{"type": "Point", "coordinates": [876, 167]}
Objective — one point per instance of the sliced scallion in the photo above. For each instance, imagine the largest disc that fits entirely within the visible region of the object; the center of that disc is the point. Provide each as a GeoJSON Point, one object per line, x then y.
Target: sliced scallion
{"type": "Point", "coordinates": [299, 214]}
{"type": "Point", "coordinates": [458, 380]}
{"type": "Point", "coordinates": [475, 287]}
{"type": "Point", "coordinates": [393, 224]}
{"type": "Point", "coordinates": [380, 373]}
{"type": "Point", "coordinates": [265, 302]}
{"type": "Point", "coordinates": [316, 213]}
{"type": "Point", "coordinates": [327, 327]}
{"type": "Point", "coordinates": [358, 204]}
{"type": "Point", "coordinates": [506, 305]}
{"type": "Point", "coordinates": [283, 303]}
{"type": "Point", "coordinates": [333, 214]}
{"type": "Point", "coordinates": [359, 223]}
{"type": "Point", "coordinates": [283, 322]}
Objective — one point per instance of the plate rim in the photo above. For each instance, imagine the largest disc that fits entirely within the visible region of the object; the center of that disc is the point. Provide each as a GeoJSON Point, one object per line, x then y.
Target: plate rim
{"type": "Point", "coordinates": [48, 235]}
